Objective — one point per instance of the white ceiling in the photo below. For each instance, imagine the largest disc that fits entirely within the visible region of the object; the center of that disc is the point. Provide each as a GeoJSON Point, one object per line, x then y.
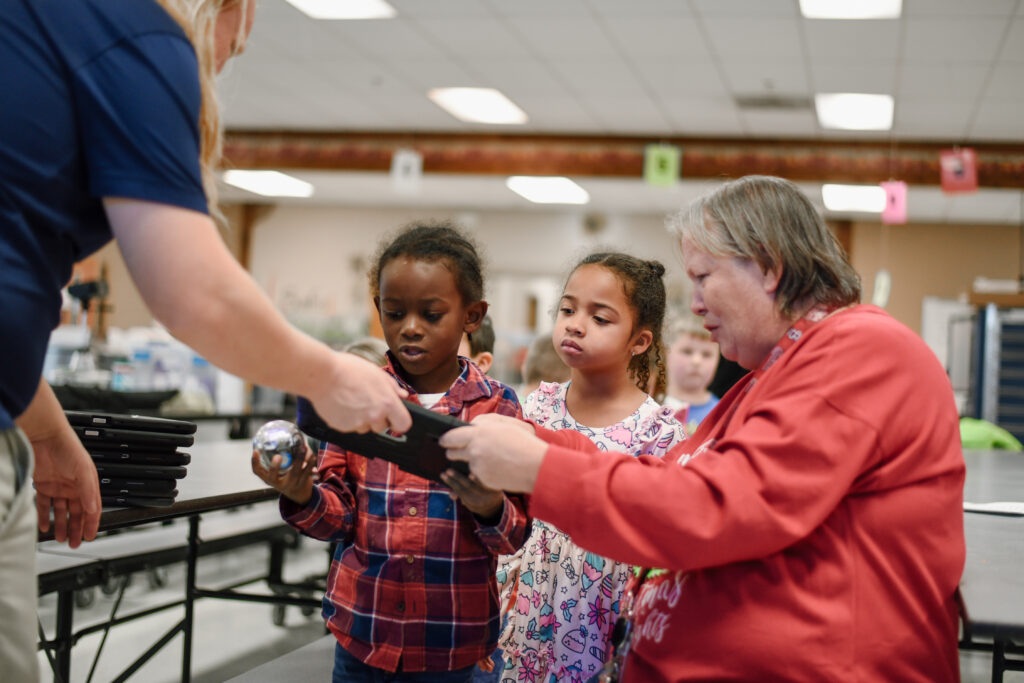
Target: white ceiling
{"type": "Point", "coordinates": [658, 68]}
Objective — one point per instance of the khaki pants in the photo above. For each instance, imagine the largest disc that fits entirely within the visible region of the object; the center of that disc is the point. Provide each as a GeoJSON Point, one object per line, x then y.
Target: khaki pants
{"type": "Point", "coordinates": [18, 587]}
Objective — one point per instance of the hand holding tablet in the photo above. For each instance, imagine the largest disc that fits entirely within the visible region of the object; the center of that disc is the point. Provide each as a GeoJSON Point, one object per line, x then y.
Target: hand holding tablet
{"type": "Point", "coordinates": [417, 451]}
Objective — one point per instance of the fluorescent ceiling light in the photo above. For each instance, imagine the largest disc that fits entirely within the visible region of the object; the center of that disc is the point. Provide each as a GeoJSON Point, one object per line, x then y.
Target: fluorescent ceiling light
{"type": "Point", "coordinates": [478, 105]}
{"type": "Point", "coordinates": [854, 111]}
{"type": "Point", "coordinates": [345, 9]}
{"type": "Point", "coordinates": [867, 198]}
{"type": "Point", "coordinates": [269, 183]}
{"type": "Point", "coordinates": [547, 189]}
{"type": "Point", "coordinates": [851, 9]}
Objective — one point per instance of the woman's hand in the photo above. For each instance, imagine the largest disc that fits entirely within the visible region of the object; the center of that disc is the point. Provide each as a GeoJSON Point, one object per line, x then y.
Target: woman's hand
{"type": "Point", "coordinates": [296, 482]}
{"type": "Point", "coordinates": [66, 485]}
{"type": "Point", "coordinates": [65, 476]}
{"type": "Point", "coordinates": [503, 453]}
{"type": "Point", "coordinates": [362, 398]}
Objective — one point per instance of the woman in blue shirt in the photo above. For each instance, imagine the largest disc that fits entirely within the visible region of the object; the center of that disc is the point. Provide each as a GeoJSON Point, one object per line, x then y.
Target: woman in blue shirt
{"type": "Point", "coordinates": [109, 128]}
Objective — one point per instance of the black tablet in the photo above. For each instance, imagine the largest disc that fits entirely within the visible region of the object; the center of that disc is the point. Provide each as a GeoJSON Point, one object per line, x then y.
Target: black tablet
{"type": "Point", "coordinates": [123, 471]}
{"type": "Point", "coordinates": [417, 451]}
{"type": "Point", "coordinates": [139, 487]}
{"type": "Point", "coordinates": [130, 439]}
{"type": "Point", "coordinates": [136, 501]}
{"type": "Point", "coordinates": [141, 423]}
{"type": "Point", "coordinates": [140, 457]}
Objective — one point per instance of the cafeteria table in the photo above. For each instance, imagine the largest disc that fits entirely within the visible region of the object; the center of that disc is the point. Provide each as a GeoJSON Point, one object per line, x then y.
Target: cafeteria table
{"type": "Point", "coordinates": [219, 477]}
{"type": "Point", "coordinates": [992, 586]}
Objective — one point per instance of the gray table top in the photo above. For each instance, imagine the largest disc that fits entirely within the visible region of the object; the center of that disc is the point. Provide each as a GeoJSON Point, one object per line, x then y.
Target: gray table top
{"type": "Point", "coordinates": [993, 579]}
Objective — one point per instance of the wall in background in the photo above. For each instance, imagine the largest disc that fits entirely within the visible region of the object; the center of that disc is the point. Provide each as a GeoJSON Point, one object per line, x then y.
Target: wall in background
{"type": "Point", "coordinates": [312, 261]}
{"type": "Point", "coordinates": [932, 260]}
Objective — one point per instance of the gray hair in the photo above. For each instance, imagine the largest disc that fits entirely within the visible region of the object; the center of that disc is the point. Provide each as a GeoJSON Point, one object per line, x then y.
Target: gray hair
{"type": "Point", "coordinates": [769, 221]}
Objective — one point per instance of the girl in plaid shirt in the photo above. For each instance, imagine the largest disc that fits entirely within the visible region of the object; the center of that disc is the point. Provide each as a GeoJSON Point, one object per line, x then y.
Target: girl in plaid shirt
{"type": "Point", "coordinates": [412, 587]}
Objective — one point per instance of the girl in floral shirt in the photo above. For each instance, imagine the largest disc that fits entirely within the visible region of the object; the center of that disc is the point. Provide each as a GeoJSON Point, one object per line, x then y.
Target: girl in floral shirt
{"type": "Point", "coordinates": [562, 599]}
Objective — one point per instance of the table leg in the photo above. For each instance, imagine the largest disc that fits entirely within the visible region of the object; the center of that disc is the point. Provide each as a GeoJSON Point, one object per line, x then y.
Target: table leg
{"type": "Point", "coordinates": [190, 589]}
{"type": "Point", "coordinates": [998, 660]}
{"type": "Point", "coordinates": [65, 617]}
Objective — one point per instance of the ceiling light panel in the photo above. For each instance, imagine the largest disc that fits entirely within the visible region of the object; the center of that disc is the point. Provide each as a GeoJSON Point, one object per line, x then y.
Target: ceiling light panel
{"type": "Point", "coordinates": [478, 105]}
{"type": "Point", "coordinates": [548, 189]}
{"type": "Point", "coordinates": [864, 198]}
{"type": "Point", "coordinates": [269, 183]}
{"type": "Point", "coordinates": [345, 9]}
{"type": "Point", "coordinates": [854, 111]}
{"type": "Point", "coordinates": [851, 9]}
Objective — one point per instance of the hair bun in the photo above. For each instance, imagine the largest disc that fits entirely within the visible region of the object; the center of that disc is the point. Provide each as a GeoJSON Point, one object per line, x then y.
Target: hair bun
{"type": "Point", "coordinates": [656, 267]}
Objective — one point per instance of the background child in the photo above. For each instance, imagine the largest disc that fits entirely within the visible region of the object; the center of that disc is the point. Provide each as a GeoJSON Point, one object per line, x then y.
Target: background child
{"type": "Point", "coordinates": [692, 360]}
{"type": "Point", "coordinates": [542, 364]}
{"type": "Point", "coordinates": [412, 586]}
{"type": "Point", "coordinates": [567, 599]}
{"type": "Point", "coordinates": [479, 346]}
{"type": "Point", "coordinates": [371, 348]}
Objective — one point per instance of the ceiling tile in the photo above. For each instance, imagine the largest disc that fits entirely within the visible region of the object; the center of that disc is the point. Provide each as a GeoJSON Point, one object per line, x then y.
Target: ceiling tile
{"type": "Point", "coordinates": [557, 113]}
{"type": "Point", "coordinates": [436, 73]}
{"type": "Point", "coordinates": [627, 114]}
{"type": "Point", "coordinates": [482, 37]}
{"type": "Point", "coordinates": [558, 37]}
{"type": "Point", "coordinates": [998, 120]}
{"type": "Point", "coordinates": [852, 77]}
{"type": "Point", "coordinates": [952, 40]}
{"type": "Point", "coordinates": [923, 81]}
{"type": "Point", "coordinates": [869, 41]}
{"type": "Point", "coordinates": [517, 76]}
{"type": "Point", "coordinates": [766, 123]}
{"type": "Point", "coordinates": [932, 119]}
{"type": "Point", "coordinates": [639, 8]}
{"type": "Point", "coordinates": [390, 38]}
{"type": "Point", "coordinates": [1013, 46]}
{"type": "Point", "coordinates": [767, 77]}
{"type": "Point", "coordinates": [746, 8]}
{"type": "Point", "coordinates": [670, 36]}
{"type": "Point", "coordinates": [684, 81]}
{"type": "Point", "coordinates": [601, 77]}
{"type": "Point", "coordinates": [976, 8]}
{"type": "Point", "coordinates": [710, 116]}
{"type": "Point", "coordinates": [743, 37]}
{"type": "Point", "coordinates": [1006, 83]}
{"type": "Point", "coordinates": [441, 8]}
{"type": "Point", "coordinates": [538, 8]}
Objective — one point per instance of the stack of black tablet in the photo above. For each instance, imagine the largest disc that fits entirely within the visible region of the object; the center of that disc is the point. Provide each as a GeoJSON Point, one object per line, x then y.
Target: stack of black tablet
{"type": "Point", "coordinates": [136, 456]}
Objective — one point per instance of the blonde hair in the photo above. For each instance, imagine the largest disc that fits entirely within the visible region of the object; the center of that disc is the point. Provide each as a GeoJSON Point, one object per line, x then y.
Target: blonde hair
{"type": "Point", "coordinates": [685, 324]}
{"type": "Point", "coordinates": [198, 19]}
{"type": "Point", "coordinates": [769, 221]}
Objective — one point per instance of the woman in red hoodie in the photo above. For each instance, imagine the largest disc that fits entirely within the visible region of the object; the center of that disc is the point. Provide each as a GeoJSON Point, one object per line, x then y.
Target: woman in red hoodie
{"type": "Point", "coordinates": [816, 533]}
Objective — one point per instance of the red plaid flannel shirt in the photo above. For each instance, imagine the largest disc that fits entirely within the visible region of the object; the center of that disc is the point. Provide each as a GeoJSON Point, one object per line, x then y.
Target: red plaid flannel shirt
{"type": "Point", "coordinates": [412, 585]}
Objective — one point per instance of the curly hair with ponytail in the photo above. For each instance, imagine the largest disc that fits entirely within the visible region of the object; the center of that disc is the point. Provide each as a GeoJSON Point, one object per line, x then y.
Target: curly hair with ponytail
{"type": "Point", "coordinates": [645, 290]}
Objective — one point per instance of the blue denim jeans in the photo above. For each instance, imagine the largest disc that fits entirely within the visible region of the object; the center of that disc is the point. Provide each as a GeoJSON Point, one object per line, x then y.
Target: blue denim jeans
{"type": "Point", "coordinates": [348, 669]}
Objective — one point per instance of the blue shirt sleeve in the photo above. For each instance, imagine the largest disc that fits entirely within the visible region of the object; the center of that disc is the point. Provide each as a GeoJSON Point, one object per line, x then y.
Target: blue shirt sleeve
{"type": "Point", "coordinates": [138, 111]}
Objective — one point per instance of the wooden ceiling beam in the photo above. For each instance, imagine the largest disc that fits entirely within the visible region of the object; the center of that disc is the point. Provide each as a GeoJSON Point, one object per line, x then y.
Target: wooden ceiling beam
{"type": "Point", "coordinates": [917, 163]}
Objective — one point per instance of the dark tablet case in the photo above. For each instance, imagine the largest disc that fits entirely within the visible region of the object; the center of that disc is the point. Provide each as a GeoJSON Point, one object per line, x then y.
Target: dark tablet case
{"type": "Point", "coordinates": [417, 451]}
{"type": "Point", "coordinates": [138, 487]}
{"type": "Point", "coordinates": [142, 423]}
{"type": "Point", "coordinates": [140, 457]}
{"type": "Point", "coordinates": [109, 438]}
{"type": "Point", "coordinates": [136, 501]}
{"type": "Point", "coordinates": [121, 471]}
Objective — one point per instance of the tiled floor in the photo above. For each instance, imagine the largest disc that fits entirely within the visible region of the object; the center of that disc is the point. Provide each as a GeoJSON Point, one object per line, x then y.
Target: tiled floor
{"type": "Point", "coordinates": [232, 637]}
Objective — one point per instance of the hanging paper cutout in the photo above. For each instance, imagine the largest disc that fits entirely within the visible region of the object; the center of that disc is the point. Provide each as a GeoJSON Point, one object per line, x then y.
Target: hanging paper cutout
{"type": "Point", "coordinates": [895, 211]}
{"type": "Point", "coordinates": [959, 170]}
